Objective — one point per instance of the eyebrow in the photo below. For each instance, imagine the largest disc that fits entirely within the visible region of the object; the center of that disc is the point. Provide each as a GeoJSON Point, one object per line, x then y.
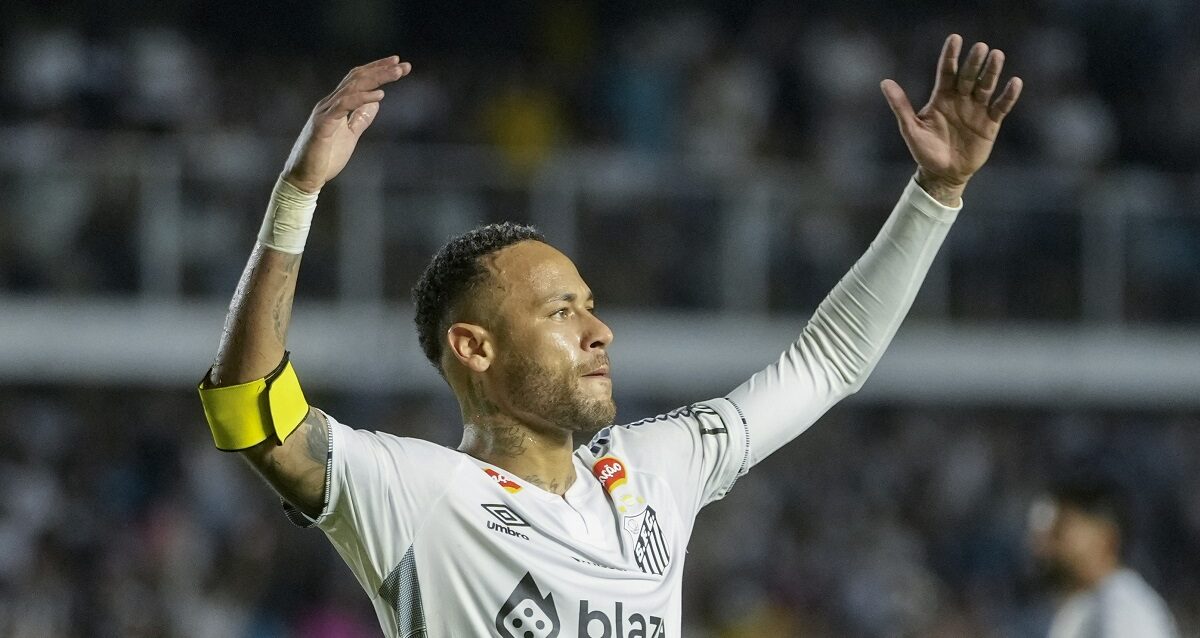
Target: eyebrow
{"type": "Point", "coordinates": [568, 297]}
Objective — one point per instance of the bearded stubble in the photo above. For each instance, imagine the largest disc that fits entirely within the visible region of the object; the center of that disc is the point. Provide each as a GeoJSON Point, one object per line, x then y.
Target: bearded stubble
{"type": "Point", "coordinates": [555, 395]}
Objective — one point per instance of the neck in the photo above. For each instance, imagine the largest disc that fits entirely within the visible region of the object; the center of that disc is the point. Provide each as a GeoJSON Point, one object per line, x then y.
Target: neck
{"type": "Point", "coordinates": [539, 456]}
{"type": "Point", "coordinates": [1096, 573]}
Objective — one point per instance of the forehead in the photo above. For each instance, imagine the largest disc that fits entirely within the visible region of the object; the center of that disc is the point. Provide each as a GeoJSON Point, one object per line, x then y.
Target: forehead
{"type": "Point", "coordinates": [532, 271]}
{"type": "Point", "coordinates": [1048, 513]}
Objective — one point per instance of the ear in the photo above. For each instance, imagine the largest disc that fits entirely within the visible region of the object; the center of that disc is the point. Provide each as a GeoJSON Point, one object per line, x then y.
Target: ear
{"type": "Point", "coordinates": [471, 345]}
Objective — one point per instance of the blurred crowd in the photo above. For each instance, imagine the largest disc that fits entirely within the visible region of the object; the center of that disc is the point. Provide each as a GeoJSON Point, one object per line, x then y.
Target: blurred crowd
{"type": "Point", "coordinates": [1113, 81]}
{"type": "Point", "coordinates": [118, 518]}
{"type": "Point", "coordinates": [1107, 120]}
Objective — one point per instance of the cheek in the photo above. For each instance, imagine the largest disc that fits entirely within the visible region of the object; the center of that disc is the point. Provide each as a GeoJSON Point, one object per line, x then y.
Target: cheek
{"type": "Point", "coordinates": [557, 350]}
{"type": "Point", "coordinates": [550, 351]}
{"type": "Point", "coordinates": [564, 344]}
{"type": "Point", "coordinates": [1077, 542]}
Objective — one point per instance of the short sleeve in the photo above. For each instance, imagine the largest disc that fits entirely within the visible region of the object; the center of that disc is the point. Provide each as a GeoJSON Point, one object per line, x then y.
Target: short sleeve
{"type": "Point", "coordinates": [1129, 608]}
{"type": "Point", "coordinates": [378, 489]}
{"type": "Point", "coordinates": [699, 450]}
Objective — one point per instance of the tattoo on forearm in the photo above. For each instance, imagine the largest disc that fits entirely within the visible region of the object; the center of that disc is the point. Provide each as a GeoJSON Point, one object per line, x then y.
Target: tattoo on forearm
{"type": "Point", "coordinates": [316, 437]}
{"type": "Point", "coordinates": [280, 318]}
{"type": "Point", "coordinates": [281, 311]}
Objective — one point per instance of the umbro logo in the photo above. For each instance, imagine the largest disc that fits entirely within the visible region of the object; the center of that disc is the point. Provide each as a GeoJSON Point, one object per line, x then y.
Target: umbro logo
{"type": "Point", "coordinates": [508, 520]}
{"type": "Point", "coordinates": [504, 514]}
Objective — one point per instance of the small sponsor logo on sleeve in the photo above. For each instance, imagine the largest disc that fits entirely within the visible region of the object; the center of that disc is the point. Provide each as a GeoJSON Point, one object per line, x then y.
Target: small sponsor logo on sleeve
{"type": "Point", "coordinates": [610, 471]}
{"type": "Point", "coordinates": [509, 485]}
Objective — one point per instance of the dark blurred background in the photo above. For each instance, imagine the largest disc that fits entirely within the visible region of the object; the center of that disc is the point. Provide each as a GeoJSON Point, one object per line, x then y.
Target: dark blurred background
{"type": "Point", "coordinates": [713, 168]}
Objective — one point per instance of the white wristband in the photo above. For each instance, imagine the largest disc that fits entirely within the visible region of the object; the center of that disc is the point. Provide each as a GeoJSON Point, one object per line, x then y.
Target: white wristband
{"type": "Point", "coordinates": [289, 215]}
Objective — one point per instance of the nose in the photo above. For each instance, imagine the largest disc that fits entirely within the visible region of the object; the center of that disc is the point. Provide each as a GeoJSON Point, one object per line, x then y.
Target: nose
{"type": "Point", "coordinates": [598, 335]}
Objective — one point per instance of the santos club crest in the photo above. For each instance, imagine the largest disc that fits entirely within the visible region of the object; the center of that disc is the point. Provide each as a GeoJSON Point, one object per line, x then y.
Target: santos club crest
{"type": "Point", "coordinates": [641, 521]}
{"type": "Point", "coordinates": [649, 546]}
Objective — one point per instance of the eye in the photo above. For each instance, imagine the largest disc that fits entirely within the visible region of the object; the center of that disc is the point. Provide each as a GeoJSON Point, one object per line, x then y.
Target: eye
{"type": "Point", "coordinates": [561, 313]}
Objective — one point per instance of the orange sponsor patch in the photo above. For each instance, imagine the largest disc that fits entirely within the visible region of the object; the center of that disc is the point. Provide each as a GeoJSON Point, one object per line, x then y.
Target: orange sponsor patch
{"type": "Point", "coordinates": [508, 484]}
{"type": "Point", "coordinates": [610, 471]}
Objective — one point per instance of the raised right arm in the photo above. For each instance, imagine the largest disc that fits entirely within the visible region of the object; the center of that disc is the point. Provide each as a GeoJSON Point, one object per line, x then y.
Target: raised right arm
{"type": "Point", "coordinates": [950, 138]}
{"type": "Point", "coordinates": [255, 335]}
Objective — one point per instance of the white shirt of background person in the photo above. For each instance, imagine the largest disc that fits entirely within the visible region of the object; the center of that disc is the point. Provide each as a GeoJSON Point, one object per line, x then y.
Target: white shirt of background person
{"type": "Point", "coordinates": [1077, 537]}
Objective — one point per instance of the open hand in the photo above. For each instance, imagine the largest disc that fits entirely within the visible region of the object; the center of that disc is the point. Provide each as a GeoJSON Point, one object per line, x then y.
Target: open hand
{"type": "Point", "coordinates": [337, 121]}
{"type": "Point", "coordinates": [952, 135]}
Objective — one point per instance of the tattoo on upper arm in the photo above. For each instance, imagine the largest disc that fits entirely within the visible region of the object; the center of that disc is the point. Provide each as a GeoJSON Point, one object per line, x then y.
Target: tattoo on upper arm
{"type": "Point", "coordinates": [316, 437]}
{"type": "Point", "coordinates": [298, 475]}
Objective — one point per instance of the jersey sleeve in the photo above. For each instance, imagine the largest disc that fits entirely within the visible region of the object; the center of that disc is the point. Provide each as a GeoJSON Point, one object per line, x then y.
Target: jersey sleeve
{"type": "Point", "coordinates": [850, 329]}
{"type": "Point", "coordinates": [1129, 607]}
{"type": "Point", "coordinates": [378, 488]}
{"type": "Point", "coordinates": [699, 450]}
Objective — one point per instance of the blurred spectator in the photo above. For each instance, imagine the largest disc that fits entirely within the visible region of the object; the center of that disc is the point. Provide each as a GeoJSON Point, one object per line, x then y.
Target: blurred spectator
{"type": "Point", "coordinates": [170, 85]}
{"type": "Point", "coordinates": [1076, 126]}
{"type": "Point", "coordinates": [731, 90]}
{"type": "Point", "coordinates": [1079, 532]}
{"type": "Point", "coordinates": [524, 120]}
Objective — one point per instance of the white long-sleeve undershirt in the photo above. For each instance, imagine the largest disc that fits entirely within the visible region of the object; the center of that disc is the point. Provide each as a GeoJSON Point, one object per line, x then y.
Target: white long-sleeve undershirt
{"type": "Point", "coordinates": [851, 328]}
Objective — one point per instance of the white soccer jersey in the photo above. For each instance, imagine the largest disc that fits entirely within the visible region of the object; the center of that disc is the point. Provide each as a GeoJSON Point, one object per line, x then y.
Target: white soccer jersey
{"type": "Point", "coordinates": [1123, 606]}
{"type": "Point", "coordinates": [447, 545]}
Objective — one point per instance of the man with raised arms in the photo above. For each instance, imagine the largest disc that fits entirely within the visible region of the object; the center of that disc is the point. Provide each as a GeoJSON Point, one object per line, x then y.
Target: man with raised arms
{"type": "Point", "coordinates": [517, 533]}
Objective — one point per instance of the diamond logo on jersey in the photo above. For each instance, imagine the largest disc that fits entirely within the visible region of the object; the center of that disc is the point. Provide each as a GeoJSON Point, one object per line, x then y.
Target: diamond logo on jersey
{"type": "Point", "coordinates": [649, 544]}
{"type": "Point", "coordinates": [509, 485]}
{"type": "Point", "coordinates": [504, 514]}
{"type": "Point", "coordinates": [528, 614]}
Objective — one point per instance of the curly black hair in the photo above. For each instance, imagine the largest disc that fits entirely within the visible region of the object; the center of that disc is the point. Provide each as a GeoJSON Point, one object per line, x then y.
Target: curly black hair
{"type": "Point", "coordinates": [456, 270]}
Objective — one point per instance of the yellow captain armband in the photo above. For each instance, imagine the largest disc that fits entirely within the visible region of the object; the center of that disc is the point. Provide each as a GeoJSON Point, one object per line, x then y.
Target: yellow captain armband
{"type": "Point", "coordinates": [242, 416]}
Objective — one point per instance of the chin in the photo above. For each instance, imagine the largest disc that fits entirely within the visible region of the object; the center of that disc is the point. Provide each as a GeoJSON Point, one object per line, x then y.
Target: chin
{"type": "Point", "coordinates": [596, 413]}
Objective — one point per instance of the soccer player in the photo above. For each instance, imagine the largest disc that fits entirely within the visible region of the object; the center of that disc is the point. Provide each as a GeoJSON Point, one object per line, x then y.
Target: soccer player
{"type": "Point", "coordinates": [517, 533]}
{"type": "Point", "coordinates": [1079, 531]}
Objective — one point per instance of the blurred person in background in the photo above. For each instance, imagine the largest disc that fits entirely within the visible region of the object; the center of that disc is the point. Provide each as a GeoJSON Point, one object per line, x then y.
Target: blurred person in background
{"type": "Point", "coordinates": [1079, 532]}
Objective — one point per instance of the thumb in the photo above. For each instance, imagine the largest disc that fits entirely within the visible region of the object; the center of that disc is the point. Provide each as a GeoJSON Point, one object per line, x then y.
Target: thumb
{"type": "Point", "coordinates": [899, 102]}
{"type": "Point", "coordinates": [362, 117]}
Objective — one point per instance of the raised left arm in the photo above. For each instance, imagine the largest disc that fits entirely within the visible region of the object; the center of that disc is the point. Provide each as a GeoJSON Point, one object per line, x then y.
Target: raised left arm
{"type": "Point", "coordinates": [950, 138]}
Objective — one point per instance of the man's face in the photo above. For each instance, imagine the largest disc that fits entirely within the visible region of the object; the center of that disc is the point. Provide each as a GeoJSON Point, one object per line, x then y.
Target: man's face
{"type": "Point", "coordinates": [1066, 540]}
{"type": "Point", "coordinates": [551, 361]}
